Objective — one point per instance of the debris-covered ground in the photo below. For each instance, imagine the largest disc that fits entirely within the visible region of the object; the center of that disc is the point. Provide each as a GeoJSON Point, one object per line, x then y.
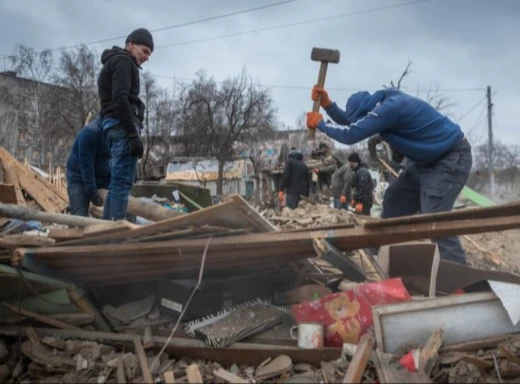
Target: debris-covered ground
{"type": "Point", "coordinates": [191, 297]}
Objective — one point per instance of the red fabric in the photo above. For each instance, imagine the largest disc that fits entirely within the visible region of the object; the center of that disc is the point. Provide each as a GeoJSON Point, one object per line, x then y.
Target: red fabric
{"type": "Point", "coordinates": [348, 315]}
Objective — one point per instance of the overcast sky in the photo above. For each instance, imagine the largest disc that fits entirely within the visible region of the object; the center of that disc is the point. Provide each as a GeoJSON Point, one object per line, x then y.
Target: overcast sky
{"type": "Point", "coordinates": [458, 46]}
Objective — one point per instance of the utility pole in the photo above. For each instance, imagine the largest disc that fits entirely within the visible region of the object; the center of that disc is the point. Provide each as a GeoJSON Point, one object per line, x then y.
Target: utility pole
{"type": "Point", "coordinates": [491, 148]}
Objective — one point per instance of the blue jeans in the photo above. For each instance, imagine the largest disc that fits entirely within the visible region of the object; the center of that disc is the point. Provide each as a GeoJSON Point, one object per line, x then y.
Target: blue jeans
{"type": "Point", "coordinates": [79, 202]}
{"type": "Point", "coordinates": [432, 188]}
{"type": "Point", "coordinates": [122, 173]}
{"type": "Point", "coordinates": [338, 205]}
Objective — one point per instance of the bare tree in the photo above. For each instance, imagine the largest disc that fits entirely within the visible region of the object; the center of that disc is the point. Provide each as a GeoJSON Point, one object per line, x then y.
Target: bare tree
{"type": "Point", "coordinates": [37, 67]}
{"type": "Point", "coordinates": [228, 113]}
{"type": "Point", "coordinates": [78, 99]}
{"type": "Point", "coordinates": [405, 73]}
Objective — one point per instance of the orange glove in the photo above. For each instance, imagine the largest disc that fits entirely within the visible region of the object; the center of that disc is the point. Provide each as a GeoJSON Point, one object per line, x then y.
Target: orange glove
{"type": "Point", "coordinates": [343, 199]}
{"type": "Point", "coordinates": [359, 207]}
{"type": "Point", "coordinates": [325, 99]}
{"type": "Point", "coordinates": [281, 195]}
{"type": "Point", "coordinates": [316, 170]}
{"type": "Point", "coordinates": [313, 119]}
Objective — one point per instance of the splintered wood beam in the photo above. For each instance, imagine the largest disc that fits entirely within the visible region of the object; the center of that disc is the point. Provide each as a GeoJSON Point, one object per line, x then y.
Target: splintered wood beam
{"type": "Point", "coordinates": [112, 262]}
{"type": "Point", "coordinates": [360, 359]}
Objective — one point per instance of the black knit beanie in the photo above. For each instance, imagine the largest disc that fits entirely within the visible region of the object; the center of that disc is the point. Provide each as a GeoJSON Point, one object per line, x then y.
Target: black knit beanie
{"type": "Point", "coordinates": [141, 36]}
{"type": "Point", "coordinates": [354, 158]}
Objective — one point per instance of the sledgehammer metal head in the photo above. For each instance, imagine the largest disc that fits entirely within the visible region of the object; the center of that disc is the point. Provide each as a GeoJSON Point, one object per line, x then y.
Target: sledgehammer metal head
{"type": "Point", "coordinates": [325, 56]}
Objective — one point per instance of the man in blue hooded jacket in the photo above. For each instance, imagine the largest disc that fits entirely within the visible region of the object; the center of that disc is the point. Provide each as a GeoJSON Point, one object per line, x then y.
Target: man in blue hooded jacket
{"type": "Point", "coordinates": [87, 168]}
{"type": "Point", "coordinates": [440, 155]}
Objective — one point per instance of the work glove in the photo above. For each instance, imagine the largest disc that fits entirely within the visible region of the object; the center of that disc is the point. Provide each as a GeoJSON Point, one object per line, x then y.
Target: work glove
{"type": "Point", "coordinates": [313, 119]}
{"type": "Point", "coordinates": [316, 170]}
{"type": "Point", "coordinates": [359, 208]}
{"type": "Point", "coordinates": [96, 199]}
{"type": "Point", "coordinates": [343, 199]}
{"type": "Point", "coordinates": [136, 145]}
{"type": "Point", "coordinates": [281, 197]}
{"type": "Point", "coordinates": [325, 99]}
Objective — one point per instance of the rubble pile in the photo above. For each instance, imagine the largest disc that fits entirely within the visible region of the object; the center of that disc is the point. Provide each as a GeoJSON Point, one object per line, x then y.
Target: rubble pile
{"type": "Point", "coordinates": [225, 293]}
{"type": "Point", "coordinates": [308, 215]}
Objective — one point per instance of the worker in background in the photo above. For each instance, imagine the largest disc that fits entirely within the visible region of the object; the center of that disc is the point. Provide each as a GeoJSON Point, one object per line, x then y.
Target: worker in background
{"type": "Point", "coordinates": [363, 184]}
{"type": "Point", "coordinates": [341, 183]}
{"type": "Point", "coordinates": [87, 168]}
{"type": "Point", "coordinates": [439, 153]}
{"type": "Point", "coordinates": [398, 162]}
{"type": "Point", "coordinates": [123, 113]}
{"type": "Point", "coordinates": [322, 152]}
{"type": "Point", "coordinates": [295, 180]}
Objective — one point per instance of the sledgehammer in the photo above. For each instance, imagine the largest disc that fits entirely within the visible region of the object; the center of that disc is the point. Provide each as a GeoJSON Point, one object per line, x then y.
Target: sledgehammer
{"type": "Point", "coordinates": [325, 56]}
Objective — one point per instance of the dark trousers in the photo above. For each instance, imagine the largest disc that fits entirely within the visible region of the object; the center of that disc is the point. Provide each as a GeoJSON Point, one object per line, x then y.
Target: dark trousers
{"type": "Point", "coordinates": [122, 174]}
{"type": "Point", "coordinates": [366, 209]}
{"type": "Point", "coordinates": [79, 202]}
{"type": "Point", "coordinates": [292, 200]}
{"type": "Point", "coordinates": [432, 188]}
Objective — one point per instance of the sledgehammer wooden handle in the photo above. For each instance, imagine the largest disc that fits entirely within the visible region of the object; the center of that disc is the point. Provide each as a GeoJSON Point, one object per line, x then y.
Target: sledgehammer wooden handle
{"type": "Point", "coordinates": [321, 83]}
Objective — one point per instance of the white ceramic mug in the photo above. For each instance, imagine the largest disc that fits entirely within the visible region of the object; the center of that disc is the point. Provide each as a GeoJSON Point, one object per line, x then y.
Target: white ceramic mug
{"type": "Point", "coordinates": [310, 335]}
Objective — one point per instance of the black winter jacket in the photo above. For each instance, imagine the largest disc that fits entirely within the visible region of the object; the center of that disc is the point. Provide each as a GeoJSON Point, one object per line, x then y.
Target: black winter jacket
{"type": "Point", "coordinates": [118, 88]}
{"type": "Point", "coordinates": [295, 175]}
{"type": "Point", "coordinates": [363, 185]}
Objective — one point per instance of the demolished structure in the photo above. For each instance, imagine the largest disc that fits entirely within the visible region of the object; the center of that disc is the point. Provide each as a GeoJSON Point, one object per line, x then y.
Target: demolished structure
{"type": "Point", "coordinates": [224, 293]}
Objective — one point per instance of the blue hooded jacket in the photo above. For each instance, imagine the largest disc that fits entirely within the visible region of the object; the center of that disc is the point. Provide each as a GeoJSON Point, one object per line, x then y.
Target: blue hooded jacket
{"type": "Point", "coordinates": [88, 160]}
{"type": "Point", "coordinates": [411, 125]}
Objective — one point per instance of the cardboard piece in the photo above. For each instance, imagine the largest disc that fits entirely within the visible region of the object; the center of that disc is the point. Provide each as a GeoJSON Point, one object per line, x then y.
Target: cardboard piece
{"type": "Point", "coordinates": [416, 264]}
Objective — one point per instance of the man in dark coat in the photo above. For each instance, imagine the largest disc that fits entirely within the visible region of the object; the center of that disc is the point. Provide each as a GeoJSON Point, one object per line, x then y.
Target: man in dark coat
{"type": "Point", "coordinates": [295, 180]}
{"type": "Point", "coordinates": [123, 113]}
{"type": "Point", "coordinates": [363, 198]}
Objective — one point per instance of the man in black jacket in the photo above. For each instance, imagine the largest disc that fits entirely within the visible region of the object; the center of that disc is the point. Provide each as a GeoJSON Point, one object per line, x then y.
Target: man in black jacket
{"type": "Point", "coordinates": [123, 112]}
{"type": "Point", "coordinates": [363, 185]}
{"type": "Point", "coordinates": [295, 180]}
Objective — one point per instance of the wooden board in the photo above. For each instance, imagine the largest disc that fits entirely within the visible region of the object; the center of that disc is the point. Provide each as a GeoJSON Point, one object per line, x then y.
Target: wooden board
{"type": "Point", "coordinates": [8, 194]}
{"type": "Point", "coordinates": [360, 359]}
{"type": "Point", "coordinates": [234, 214]}
{"type": "Point", "coordinates": [28, 180]}
{"type": "Point", "coordinates": [463, 318]}
{"type": "Point", "coordinates": [12, 179]}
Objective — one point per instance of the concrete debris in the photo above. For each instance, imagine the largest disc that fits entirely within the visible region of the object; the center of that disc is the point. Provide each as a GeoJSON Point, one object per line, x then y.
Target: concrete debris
{"type": "Point", "coordinates": [308, 215]}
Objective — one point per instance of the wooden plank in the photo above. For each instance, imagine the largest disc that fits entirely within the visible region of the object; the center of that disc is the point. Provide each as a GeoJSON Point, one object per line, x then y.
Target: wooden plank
{"type": "Point", "coordinates": [120, 372]}
{"type": "Point", "coordinates": [234, 214]}
{"type": "Point", "coordinates": [463, 318]}
{"type": "Point", "coordinates": [113, 262]}
{"type": "Point", "coordinates": [47, 199]}
{"type": "Point", "coordinates": [60, 234]}
{"type": "Point", "coordinates": [359, 362]}
{"type": "Point", "coordinates": [109, 227]}
{"type": "Point", "coordinates": [8, 194]}
{"type": "Point", "coordinates": [143, 360]}
{"type": "Point", "coordinates": [194, 375]}
{"type": "Point", "coordinates": [60, 192]}
{"type": "Point", "coordinates": [229, 377]}
{"type": "Point", "coordinates": [503, 210]}
{"type": "Point", "coordinates": [12, 179]}
{"type": "Point", "coordinates": [15, 241]}
{"type": "Point", "coordinates": [41, 318]}
{"type": "Point", "coordinates": [429, 353]}
{"type": "Point", "coordinates": [169, 378]}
